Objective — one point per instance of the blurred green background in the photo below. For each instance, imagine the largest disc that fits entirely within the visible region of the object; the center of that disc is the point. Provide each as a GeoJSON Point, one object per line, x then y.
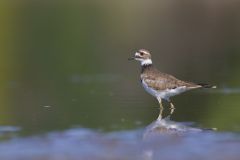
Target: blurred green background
{"type": "Point", "coordinates": [64, 63]}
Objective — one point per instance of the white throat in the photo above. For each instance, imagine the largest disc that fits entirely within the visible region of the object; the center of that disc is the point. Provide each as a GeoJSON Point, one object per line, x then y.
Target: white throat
{"type": "Point", "coordinates": [146, 62]}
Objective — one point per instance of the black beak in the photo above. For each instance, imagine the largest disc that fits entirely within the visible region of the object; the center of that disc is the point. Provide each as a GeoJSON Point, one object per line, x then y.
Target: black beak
{"type": "Point", "coordinates": [130, 59]}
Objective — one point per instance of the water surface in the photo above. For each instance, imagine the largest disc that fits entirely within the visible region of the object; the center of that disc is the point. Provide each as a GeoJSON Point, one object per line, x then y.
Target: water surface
{"type": "Point", "coordinates": [67, 90]}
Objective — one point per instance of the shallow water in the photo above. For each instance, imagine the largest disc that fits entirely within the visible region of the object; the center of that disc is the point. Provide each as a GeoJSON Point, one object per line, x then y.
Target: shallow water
{"type": "Point", "coordinates": [119, 126]}
{"type": "Point", "coordinates": [67, 90]}
{"type": "Point", "coordinates": [163, 139]}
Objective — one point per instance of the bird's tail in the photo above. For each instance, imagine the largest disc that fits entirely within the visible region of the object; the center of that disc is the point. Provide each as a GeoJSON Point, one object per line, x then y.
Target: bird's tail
{"type": "Point", "coordinates": [204, 85]}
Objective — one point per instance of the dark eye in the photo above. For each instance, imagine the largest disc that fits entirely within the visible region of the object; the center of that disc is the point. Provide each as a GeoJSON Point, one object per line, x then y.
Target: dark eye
{"type": "Point", "coordinates": [141, 53]}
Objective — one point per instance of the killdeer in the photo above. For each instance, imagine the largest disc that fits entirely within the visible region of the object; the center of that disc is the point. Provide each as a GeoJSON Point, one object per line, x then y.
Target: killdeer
{"type": "Point", "coordinates": [162, 85]}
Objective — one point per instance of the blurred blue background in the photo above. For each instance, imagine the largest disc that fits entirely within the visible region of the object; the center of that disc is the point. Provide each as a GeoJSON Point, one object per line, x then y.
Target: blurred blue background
{"type": "Point", "coordinates": [64, 63]}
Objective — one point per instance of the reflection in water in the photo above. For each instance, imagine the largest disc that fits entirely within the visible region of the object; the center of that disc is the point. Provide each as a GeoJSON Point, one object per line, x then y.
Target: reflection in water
{"type": "Point", "coordinates": [7, 132]}
{"type": "Point", "coordinates": [162, 138]}
{"type": "Point", "coordinates": [166, 126]}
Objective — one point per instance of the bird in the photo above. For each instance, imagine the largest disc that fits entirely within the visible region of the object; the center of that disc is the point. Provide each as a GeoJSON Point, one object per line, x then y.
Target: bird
{"type": "Point", "coordinates": [161, 85]}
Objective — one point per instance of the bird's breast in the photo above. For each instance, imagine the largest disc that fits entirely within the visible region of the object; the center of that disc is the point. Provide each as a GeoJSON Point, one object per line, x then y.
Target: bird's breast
{"type": "Point", "coordinates": [150, 90]}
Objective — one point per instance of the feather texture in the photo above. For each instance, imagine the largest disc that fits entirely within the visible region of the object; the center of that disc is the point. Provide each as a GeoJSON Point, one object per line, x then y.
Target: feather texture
{"type": "Point", "coordinates": [162, 81]}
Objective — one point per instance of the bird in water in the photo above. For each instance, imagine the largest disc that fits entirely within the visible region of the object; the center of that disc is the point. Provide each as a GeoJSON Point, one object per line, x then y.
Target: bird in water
{"type": "Point", "coordinates": [161, 85]}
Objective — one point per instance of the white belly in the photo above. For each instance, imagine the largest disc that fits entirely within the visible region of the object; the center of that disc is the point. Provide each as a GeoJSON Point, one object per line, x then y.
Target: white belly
{"type": "Point", "coordinates": [164, 94]}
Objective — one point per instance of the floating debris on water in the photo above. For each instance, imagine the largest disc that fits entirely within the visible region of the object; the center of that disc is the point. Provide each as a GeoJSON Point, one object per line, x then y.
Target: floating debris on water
{"type": "Point", "coordinates": [47, 106]}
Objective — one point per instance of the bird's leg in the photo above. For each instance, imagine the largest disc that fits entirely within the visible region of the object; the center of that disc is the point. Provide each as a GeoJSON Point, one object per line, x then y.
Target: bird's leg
{"type": "Point", "coordinates": [172, 108]}
{"type": "Point", "coordinates": [161, 108]}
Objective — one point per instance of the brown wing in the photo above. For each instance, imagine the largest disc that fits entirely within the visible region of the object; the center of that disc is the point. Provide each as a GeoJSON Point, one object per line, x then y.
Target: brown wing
{"type": "Point", "coordinates": [162, 81]}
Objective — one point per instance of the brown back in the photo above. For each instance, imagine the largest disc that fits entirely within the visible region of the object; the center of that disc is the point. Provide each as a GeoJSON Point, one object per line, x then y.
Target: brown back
{"type": "Point", "coordinates": [162, 81]}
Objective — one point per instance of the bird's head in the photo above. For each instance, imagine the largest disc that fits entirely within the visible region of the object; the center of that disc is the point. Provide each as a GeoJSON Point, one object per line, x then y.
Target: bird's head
{"type": "Point", "coordinates": [143, 56]}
